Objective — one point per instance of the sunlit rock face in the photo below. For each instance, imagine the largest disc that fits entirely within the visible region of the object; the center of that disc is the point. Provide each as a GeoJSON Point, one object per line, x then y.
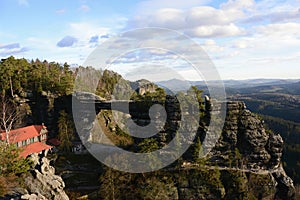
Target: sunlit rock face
{"type": "Point", "coordinates": [43, 183]}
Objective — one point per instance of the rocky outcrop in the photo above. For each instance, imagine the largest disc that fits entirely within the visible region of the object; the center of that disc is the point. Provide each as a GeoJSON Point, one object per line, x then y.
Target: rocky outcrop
{"type": "Point", "coordinates": [43, 183]}
{"type": "Point", "coordinates": [143, 86]}
{"type": "Point", "coordinates": [285, 186]}
{"type": "Point", "coordinates": [33, 197]}
{"type": "Point", "coordinates": [246, 144]}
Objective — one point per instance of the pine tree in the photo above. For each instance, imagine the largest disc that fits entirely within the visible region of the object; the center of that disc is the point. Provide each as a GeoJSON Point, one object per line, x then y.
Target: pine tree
{"type": "Point", "coordinates": [65, 131]}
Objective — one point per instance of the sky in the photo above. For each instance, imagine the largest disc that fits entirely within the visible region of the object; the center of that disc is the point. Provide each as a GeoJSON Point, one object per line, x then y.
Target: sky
{"type": "Point", "coordinates": [245, 39]}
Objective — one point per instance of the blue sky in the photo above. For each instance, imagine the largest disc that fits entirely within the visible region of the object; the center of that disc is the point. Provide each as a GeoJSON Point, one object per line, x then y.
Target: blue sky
{"type": "Point", "coordinates": [244, 38]}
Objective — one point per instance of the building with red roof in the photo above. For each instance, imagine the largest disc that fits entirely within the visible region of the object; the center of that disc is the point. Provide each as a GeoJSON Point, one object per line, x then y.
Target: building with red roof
{"type": "Point", "coordinates": [32, 139]}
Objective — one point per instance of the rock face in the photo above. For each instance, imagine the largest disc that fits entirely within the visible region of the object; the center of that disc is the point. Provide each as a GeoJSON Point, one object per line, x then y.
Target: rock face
{"type": "Point", "coordinates": [285, 187]}
{"type": "Point", "coordinates": [33, 197]}
{"type": "Point", "coordinates": [244, 134]}
{"type": "Point", "coordinates": [43, 183]}
{"type": "Point", "coordinates": [143, 86]}
{"type": "Point", "coordinates": [245, 144]}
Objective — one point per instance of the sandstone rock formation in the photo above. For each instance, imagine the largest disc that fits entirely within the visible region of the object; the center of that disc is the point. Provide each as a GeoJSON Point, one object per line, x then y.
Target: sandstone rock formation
{"type": "Point", "coordinates": [43, 183]}
{"type": "Point", "coordinates": [143, 86]}
{"type": "Point", "coordinates": [245, 146]}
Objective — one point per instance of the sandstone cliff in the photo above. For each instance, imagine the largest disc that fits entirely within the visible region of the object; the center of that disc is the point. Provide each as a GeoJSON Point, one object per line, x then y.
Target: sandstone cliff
{"type": "Point", "coordinates": [247, 156]}
{"type": "Point", "coordinates": [42, 183]}
{"type": "Point", "coordinates": [246, 145]}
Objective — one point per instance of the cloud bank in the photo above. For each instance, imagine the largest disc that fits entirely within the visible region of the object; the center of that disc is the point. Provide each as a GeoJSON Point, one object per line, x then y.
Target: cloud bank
{"type": "Point", "coordinates": [67, 41]}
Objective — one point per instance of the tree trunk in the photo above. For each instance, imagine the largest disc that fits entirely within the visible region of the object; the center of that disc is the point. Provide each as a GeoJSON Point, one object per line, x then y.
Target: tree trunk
{"type": "Point", "coordinates": [11, 87]}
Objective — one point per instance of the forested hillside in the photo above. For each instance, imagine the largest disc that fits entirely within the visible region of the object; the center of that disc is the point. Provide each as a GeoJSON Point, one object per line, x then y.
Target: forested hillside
{"type": "Point", "coordinates": [246, 154]}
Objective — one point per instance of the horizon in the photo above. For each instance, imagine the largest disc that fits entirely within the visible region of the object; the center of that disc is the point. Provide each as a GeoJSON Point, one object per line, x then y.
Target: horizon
{"type": "Point", "coordinates": [74, 66]}
{"type": "Point", "coordinates": [245, 39]}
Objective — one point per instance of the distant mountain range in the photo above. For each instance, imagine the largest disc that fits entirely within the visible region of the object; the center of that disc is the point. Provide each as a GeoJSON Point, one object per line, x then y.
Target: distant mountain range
{"type": "Point", "coordinates": [233, 86]}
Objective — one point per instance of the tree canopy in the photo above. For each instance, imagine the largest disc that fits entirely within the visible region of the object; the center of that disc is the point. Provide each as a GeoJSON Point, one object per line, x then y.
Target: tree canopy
{"type": "Point", "coordinates": [20, 75]}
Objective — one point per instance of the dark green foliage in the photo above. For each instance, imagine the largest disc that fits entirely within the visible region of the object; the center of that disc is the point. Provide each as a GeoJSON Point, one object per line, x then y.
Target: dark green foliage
{"type": "Point", "coordinates": [107, 84]}
{"type": "Point", "coordinates": [117, 185]}
{"type": "Point", "coordinates": [19, 75]}
{"type": "Point", "coordinates": [290, 131]}
{"type": "Point", "coordinates": [120, 132]}
{"type": "Point", "coordinates": [65, 131]}
{"type": "Point", "coordinates": [235, 183]}
{"type": "Point", "coordinates": [260, 185]}
{"type": "Point", "coordinates": [198, 93]}
{"type": "Point", "coordinates": [158, 95]}
{"type": "Point", "coordinates": [197, 150]}
{"type": "Point", "coordinates": [11, 162]}
{"type": "Point", "coordinates": [148, 145]}
{"type": "Point", "coordinates": [114, 184]}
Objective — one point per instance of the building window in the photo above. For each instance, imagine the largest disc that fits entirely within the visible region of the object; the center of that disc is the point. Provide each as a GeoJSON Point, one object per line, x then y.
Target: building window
{"type": "Point", "coordinates": [23, 142]}
{"type": "Point", "coordinates": [31, 140]}
{"type": "Point", "coordinates": [43, 137]}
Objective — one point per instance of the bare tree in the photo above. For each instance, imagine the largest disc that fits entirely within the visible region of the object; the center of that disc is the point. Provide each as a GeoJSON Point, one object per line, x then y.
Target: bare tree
{"type": "Point", "coordinates": [9, 116]}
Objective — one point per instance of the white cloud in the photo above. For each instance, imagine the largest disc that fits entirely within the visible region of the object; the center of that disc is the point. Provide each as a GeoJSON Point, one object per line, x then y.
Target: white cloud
{"type": "Point", "coordinates": [172, 18]}
{"type": "Point", "coordinates": [86, 30]}
{"type": "Point", "coordinates": [216, 31]}
{"type": "Point", "coordinates": [210, 46]}
{"type": "Point", "coordinates": [278, 59]}
{"type": "Point", "coordinates": [148, 6]}
{"type": "Point", "coordinates": [238, 4]}
{"type": "Point", "coordinates": [243, 37]}
{"type": "Point", "coordinates": [61, 11]}
{"type": "Point", "coordinates": [276, 15]}
{"type": "Point", "coordinates": [201, 21]}
{"type": "Point", "coordinates": [12, 49]}
{"type": "Point", "coordinates": [45, 47]}
{"type": "Point", "coordinates": [280, 30]}
{"type": "Point", "coordinates": [241, 44]}
{"type": "Point", "coordinates": [47, 50]}
{"type": "Point", "coordinates": [206, 15]}
{"type": "Point", "coordinates": [84, 8]}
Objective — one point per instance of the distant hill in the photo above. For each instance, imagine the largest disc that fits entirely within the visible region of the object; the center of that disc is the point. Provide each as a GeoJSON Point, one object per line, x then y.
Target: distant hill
{"type": "Point", "coordinates": [251, 85]}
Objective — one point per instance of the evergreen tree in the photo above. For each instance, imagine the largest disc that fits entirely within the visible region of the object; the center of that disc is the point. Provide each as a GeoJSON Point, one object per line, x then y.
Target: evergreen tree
{"type": "Point", "coordinates": [11, 162]}
{"type": "Point", "coordinates": [65, 131]}
{"type": "Point", "coordinates": [197, 150]}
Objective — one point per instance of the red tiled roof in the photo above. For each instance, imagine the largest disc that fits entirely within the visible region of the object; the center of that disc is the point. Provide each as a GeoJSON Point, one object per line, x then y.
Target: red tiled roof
{"type": "Point", "coordinates": [22, 134]}
{"type": "Point", "coordinates": [54, 141]}
{"type": "Point", "coordinates": [36, 147]}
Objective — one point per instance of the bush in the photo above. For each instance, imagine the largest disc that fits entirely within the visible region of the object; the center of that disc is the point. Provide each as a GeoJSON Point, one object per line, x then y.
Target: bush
{"type": "Point", "coordinates": [10, 161]}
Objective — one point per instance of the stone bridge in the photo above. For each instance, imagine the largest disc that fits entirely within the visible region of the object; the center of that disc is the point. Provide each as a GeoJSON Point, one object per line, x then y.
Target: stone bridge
{"type": "Point", "coordinates": [242, 131]}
